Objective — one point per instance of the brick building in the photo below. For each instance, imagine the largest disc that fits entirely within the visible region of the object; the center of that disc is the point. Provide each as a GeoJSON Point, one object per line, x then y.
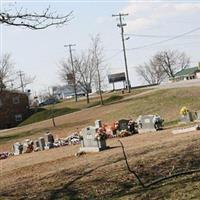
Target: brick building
{"type": "Point", "coordinates": [14, 108]}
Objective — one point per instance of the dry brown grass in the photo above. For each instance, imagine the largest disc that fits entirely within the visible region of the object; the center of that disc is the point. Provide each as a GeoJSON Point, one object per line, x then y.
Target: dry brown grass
{"type": "Point", "coordinates": [58, 174]}
{"type": "Point", "coordinates": [166, 103]}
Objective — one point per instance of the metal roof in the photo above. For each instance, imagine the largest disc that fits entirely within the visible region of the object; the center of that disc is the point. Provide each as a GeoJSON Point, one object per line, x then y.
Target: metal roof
{"type": "Point", "coordinates": [187, 71]}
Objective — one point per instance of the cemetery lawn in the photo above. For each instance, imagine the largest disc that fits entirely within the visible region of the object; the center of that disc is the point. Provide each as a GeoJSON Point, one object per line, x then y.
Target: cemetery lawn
{"type": "Point", "coordinates": [166, 102]}
{"type": "Point", "coordinates": [59, 174]}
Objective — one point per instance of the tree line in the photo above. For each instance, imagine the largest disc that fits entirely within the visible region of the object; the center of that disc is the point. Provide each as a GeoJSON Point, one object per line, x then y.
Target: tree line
{"type": "Point", "coordinates": [86, 70]}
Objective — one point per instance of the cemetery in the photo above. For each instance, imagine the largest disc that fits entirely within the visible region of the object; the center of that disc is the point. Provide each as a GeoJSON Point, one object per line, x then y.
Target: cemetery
{"type": "Point", "coordinates": [89, 154]}
{"type": "Point", "coordinates": [93, 138]}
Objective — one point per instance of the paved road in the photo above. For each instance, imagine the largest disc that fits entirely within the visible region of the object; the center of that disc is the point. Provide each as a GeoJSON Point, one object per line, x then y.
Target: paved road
{"type": "Point", "coordinates": [188, 83]}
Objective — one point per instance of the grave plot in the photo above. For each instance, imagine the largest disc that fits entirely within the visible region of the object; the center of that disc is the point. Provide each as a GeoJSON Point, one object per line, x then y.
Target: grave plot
{"type": "Point", "coordinates": [92, 140]}
{"type": "Point", "coordinates": [149, 123]}
{"type": "Point", "coordinates": [185, 115]}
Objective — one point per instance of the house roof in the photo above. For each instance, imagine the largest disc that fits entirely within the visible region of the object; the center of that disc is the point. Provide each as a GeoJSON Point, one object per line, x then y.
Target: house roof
{"type": "Point", "coordinates": [187, 71]}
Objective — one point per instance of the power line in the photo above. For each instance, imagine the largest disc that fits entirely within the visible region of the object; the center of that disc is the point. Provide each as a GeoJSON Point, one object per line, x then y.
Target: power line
{"type": "Point", "coordinates": [163, 41]}
{"type": "Point", "coordinates": [21, 74]}
{"type": "Point", "coordinates": [156, 36]}
{"type": "Point", "coordinates": [121, 25]}
{"type": "Point", "coordinates": [114, 55]}
{"type": "Point", "coordinates": [73, 70]}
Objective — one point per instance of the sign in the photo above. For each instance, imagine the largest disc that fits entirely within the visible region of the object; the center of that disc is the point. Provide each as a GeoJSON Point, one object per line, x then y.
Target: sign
{"type": "Point", "coordinates": [70, 79]}
{"type": "Point", "coordinates": [112, 78]}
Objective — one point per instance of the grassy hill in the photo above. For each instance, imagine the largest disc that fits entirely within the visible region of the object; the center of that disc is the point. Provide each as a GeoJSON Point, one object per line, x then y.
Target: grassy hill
{"type": "Point", "coordinates": [166, 103]}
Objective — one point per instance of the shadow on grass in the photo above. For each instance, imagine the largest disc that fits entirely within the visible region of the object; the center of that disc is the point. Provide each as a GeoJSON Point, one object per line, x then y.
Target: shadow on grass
{"type": "Point", "coordinates": [43, 114]}
{"type": "Point", "coordinates": [7, 138]}
{"type": "Point", "coordinates": [110, 100]}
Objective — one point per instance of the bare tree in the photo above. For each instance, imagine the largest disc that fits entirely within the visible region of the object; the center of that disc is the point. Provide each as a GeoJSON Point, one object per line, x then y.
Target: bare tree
{"type": "Point", "coordinates": [97, 60]}
{"type": "Point", "coordinates": [151, 73]}
{"type": "Point", "coordinates": [32, 20]}
{"type": "Point", "coordinates": [85, 72]}
{"type": "Point", "coordinates": [164, 63]}
{"type": "Point", "coordinates": [171, 61]}
{"type": "Point", "coordinates": [68, 74]}
{"type": "Point", "coordinates": [6, 67]}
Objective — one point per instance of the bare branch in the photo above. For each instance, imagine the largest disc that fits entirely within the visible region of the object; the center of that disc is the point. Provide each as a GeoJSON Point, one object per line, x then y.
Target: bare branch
{"type": "Point", "coordinates": [6, 67]}
{"type": "Point", "coordinates": [34, 21]}
{"type": "Point", "coordinates": [159, 180]}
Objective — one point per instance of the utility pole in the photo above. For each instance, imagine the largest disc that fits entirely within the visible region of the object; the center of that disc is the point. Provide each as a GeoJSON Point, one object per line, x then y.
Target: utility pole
{"type": "Point", "coordinates": [21, 74]}
{"type": "Point", "coordinates": [73, 71]}
{"type": "Point", "coordinates": [121, 25]}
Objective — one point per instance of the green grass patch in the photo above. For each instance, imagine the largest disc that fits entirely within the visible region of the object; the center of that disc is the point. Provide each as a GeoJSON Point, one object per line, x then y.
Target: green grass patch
{"type": "Point", "coordinates": [109, 100]}
{"type": "Point", "coordinates": [4, 139]}
{"type": "Point", "coordinates": [112, 99]}
{"type": "Point", "coordinates": [44, 114]}
{"type": "Point", "coordinates": [171, 123]}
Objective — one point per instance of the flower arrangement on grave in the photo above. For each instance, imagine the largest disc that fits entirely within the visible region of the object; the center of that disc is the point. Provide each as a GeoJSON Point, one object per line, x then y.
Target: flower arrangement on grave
{"type": "Point", "coordinates": [101, 134]}
{"type": "Point", "coordinates": [184, 111]}
{"type": "Point", "coordinates": [123, 133]}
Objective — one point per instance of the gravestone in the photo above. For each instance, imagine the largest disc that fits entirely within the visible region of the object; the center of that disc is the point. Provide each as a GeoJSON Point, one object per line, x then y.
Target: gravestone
{"type": "Point", "coordinates": [127, 125]}
{"type": "Point", "coordinates": [17, 148]}
{"type": "Point", "coordinates": [148, 123]}
{"type": "Point", "coordinates": [186, 118]}
{"type": "Point", "coordinates": [123, 124]}
{"type": "Point", "coordinates": [36, 145]}
{"type": "Point", "coordinates": [49, 140]}
{"type": "Point", "coordinates": [42, 143]}
{"type": "Point", "coordinates": [28, 146]}
{"type": "Point", "coordinates": [89, 142]}
{"type": "Point", "coordinates": [197, 115]}
{"type": "Point", "coordinates": [98, 124]}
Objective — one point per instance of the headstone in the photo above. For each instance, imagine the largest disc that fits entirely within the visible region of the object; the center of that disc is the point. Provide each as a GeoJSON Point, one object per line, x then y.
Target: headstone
{"type": "Point", "coordinates": [123, 124]}
{"type": "Point", "coordinates": [148, 123]}
{"type": "Point", "coordinates": [42, 143]}
{"type": "Point", "coordinates": [89, 141]}
{"type": "Point", "coordinates": [17, 148]}
{"type": "Point", "coordinates": [36, 145]}
{"type": "Point", "coordinates": [49, 140]}
{"type": "Point", "coordinates": [197, 115]}
{"type": "Point", "coordinates": [186, 118]}
{"type": "Point", "coordinates": [98, 124]}
{"type": "Point", "coordinates": [28, 146]}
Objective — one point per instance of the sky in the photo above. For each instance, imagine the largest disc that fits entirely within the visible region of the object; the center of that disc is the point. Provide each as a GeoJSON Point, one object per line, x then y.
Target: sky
{"type": "Point", "coordinates": [149, 24]}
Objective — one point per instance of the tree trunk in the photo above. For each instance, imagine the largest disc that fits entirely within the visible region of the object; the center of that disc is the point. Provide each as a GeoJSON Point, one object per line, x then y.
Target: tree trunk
{"type": "Point", "coordinates": [75, 93]}
{"type": "Point", "coordinates": [88, 99]}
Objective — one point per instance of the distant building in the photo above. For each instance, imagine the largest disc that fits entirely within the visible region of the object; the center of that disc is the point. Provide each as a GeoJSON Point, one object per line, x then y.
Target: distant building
{"type": "Point", "coordinates": [66, 91]}
{"type": "Point", "coordinates": [14, 108]}
{"type": "Point", "coordinates": [187, 74]}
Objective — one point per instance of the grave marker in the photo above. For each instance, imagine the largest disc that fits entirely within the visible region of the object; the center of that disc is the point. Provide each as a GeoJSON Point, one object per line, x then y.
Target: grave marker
{"type": "Point", "coordinates": [90, 142]}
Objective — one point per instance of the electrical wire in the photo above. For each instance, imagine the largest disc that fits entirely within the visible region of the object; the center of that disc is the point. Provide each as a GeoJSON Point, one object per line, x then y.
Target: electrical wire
{"type": "Point", "coordinates": [163, 41]}
{"type": "Point", "coordinates": [111, 57]}
{"type": "Point", "coordinates": [156, 36]}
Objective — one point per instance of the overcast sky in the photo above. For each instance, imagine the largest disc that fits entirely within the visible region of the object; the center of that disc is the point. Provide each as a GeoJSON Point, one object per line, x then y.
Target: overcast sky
{"type": "Point", "coordinates": [39, 52]}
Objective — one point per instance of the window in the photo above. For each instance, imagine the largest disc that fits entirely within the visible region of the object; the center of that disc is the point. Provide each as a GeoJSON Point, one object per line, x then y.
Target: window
{"type": "Point", "coordinates": [1, 104]}
{"type": "Point", "coordinates": [16, 100]}
{"type": "Point", "coordinates": [18, 118]}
